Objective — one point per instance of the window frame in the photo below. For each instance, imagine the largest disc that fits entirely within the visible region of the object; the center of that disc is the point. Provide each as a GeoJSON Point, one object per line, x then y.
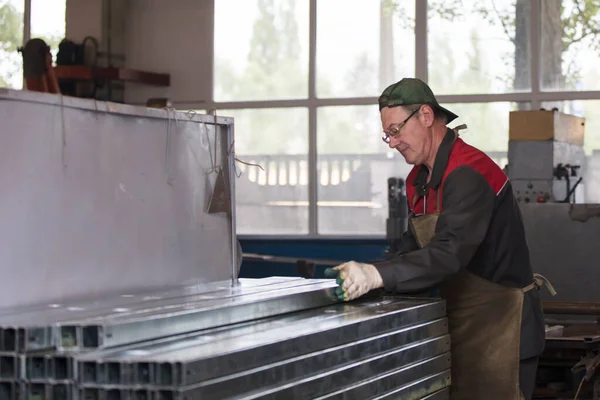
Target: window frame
{"type": "Point", "coordinates": [535, 96]}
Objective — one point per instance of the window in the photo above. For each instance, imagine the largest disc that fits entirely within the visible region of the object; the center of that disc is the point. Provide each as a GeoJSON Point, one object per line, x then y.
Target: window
{"type": "Point", "coordinates": [11, 38]}
{"type": "Point", "coordinates": [352, 170]}
{"type": "Point", "coordinates": [361, 49]}
{"type": "Point", "coordinates": [273, 198]}
{"type": "Point", "coordinates": [311, 106]}
{"type": "Point", "coordinates": [48, 22]}
{"type": "Point", "coordinates": [487, 124]}
{"type": "Point", "coordinates": [569, 45]}
{"type": "Point", "coordinates": [478, 46]}
{"type": "Point", "coordinates": [261, 50]}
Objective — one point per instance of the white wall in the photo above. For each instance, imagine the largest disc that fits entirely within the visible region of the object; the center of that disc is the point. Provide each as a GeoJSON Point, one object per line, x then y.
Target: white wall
{"type": "Point", "coordinates": [83, 18]}
{"type": "Point", "coordinates": [175, 37]}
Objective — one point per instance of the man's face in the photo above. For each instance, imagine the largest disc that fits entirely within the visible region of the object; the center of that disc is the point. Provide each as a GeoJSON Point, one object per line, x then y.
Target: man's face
{"type": "Point", "coordinates": [411, 139]}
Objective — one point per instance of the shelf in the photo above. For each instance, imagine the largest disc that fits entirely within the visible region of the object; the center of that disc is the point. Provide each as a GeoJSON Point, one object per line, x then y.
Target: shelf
{"type": "Point", "coordinates": [78, 72]}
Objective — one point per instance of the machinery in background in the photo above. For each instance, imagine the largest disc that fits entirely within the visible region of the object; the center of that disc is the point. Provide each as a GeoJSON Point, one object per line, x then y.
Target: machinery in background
{"type": "Point", "coordinates": [545, 156]}
{"type": "Point", "coordinates": [570, 362]}
{"type": "Point", "coordinates": [79, 73]}
{"type": "Point", "coordinates": [38, 71]}
{"type": "Point", "coordinates": [546, 159]}
{"type": "Point", "coordinates": [396, 222]}
{"type": "Point", "coordinates": [72, 54]}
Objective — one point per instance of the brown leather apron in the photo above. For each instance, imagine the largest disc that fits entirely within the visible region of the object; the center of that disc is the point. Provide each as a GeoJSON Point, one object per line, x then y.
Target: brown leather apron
{"type": "Point", "coordinates": [484, 323]}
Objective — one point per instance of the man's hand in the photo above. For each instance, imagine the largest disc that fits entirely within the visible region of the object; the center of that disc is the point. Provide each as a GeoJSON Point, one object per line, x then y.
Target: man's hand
{"type": "Point", "coordinates": [355, 279]}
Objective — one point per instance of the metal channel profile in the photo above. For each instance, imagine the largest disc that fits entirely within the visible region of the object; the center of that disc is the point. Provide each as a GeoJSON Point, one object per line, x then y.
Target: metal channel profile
{"type": "Point", "coordinates": [126, 299]}
{"type": "Point", "coordinates": [11, 390]}
{"type": "Point", "coordinates": [420, 389]}
{"type": "Point", "coordinates": [49, 391]}
{"type": "Point", "coordinates": [381, 384]}
{"type": "Point", "coordinates": [176, 316]}
{"type": "Point", "coordinates": [332, 379]}
{"type": "Point", "coordinates": [22, 333]}
{"type": "Point", "coordinates": [111, 393]}
{"type": "Point", "coordinates": [152, 375]}
{"type": "Point", "coordinates": [51, 366]}
{"type": "Point", "coordinates": [191, 317]}
{"type": "Point", "coordinates": [11, 366]}
{"type": "Point", "coordinates": [215, 353]}
{"type": "Point", "coordinates": [443, 394]}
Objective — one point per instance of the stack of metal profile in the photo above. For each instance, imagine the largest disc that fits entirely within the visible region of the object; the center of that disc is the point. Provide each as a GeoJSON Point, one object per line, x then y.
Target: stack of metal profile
{"type": "Point", "coordinates": [266, 338]}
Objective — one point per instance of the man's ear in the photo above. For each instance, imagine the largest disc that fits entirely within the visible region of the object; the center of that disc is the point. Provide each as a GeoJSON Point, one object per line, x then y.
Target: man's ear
{"type": "Point", "coordinates": [427, 115]}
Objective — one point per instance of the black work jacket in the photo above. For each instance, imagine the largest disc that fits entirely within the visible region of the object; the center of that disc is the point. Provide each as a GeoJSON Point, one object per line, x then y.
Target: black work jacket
{"type": "Point", "coordinates": [480, 228]}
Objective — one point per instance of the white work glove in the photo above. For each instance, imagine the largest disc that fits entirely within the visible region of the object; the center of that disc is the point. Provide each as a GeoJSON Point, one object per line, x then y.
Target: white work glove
{"type": "Point", "coordinates": [355, 279]}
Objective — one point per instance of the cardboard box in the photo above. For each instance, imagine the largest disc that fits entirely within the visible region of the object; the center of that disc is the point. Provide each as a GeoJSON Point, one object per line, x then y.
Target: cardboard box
{"type": "Point", "coordinates": [546, 125]}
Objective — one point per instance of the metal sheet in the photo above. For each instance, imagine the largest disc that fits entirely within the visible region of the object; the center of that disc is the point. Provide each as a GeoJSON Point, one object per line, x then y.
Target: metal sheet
{"type": "Point", "coordinates": [217, 352]}
{"type": "Point", "coordinates": [564, 250]}
{"type": "Point", "coordinates": [102, 190]}
{"type": "Point", "coordinates": [269, 381]}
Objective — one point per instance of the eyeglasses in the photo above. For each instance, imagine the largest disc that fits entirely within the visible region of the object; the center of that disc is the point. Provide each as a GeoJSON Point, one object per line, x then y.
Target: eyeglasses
{"type": "Point", "coordinates": [395, 131]}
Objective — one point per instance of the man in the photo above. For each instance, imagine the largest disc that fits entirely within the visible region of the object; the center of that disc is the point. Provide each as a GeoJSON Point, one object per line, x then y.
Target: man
{"type": "Point", "coordinates": [465, 237]}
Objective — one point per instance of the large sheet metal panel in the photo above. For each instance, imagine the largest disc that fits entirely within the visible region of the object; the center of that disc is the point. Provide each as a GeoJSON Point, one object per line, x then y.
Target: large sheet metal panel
{"type": "Point", "coordinates": [564, 246]}
{"type": "Point", "coordinates": [100, 195]}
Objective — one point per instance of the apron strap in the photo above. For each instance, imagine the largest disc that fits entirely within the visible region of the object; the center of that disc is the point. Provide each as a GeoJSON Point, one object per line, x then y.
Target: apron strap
{"type": "Point", "coordinates": [458, 128]}
{"type": "Point", "coordinates": [439, 191]}
{"type": "Point", "coordinates": [414, 200]}
{"type": "Point", "coordinates": [540, 280]}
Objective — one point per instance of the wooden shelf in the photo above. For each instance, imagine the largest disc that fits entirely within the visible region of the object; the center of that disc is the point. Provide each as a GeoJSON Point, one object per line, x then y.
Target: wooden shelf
{"type": "Point", "coordinates": [84, 73]}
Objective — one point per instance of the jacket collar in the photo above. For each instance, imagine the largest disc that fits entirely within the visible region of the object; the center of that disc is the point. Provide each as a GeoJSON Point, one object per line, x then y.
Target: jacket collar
{"type": "Point", "coordinates": [439, 166]}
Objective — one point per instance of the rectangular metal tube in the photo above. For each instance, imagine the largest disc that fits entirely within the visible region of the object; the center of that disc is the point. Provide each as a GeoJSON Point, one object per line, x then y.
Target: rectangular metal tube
{"type": "Point", "coordinates": [443, 394]}
{"type": "Point", "coordinates": [420, 389]}
{"type": "Point", "coordinates": [214, 353]}
{"type": "Point", "coordinates": [134, 304]}
{"type": "Point", "coordinates": [381, 384]}
{"type": "Point", "coordinates": [23, 332]}
{"type": "Point", "coordinates": [175, 316]}
{"type": "Point", "coordinates": [256, 384]}
{"type": "Point", "coordinates": [186, 318]}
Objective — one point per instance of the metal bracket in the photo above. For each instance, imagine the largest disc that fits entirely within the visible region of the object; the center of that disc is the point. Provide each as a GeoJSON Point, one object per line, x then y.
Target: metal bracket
{"type": "Point", "coordinates": [220, 200]}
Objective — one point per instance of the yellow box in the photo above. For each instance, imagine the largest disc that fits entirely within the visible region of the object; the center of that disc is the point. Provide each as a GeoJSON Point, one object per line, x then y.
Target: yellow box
{"type": "Point", "coordinates": [546, 125]}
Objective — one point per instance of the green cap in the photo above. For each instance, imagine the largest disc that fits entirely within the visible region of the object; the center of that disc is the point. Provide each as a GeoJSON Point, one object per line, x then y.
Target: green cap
{"type": "Point", "coordinates": [411, 91]}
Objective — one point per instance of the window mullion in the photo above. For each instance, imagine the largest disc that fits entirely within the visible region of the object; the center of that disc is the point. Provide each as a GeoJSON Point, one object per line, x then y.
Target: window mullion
{"type": "Point", "coordinates": [534, 43]}
{"type": "Point", "coordinates": [421, 68]}
{"type": "Point", "coordinates": [312, 122]}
